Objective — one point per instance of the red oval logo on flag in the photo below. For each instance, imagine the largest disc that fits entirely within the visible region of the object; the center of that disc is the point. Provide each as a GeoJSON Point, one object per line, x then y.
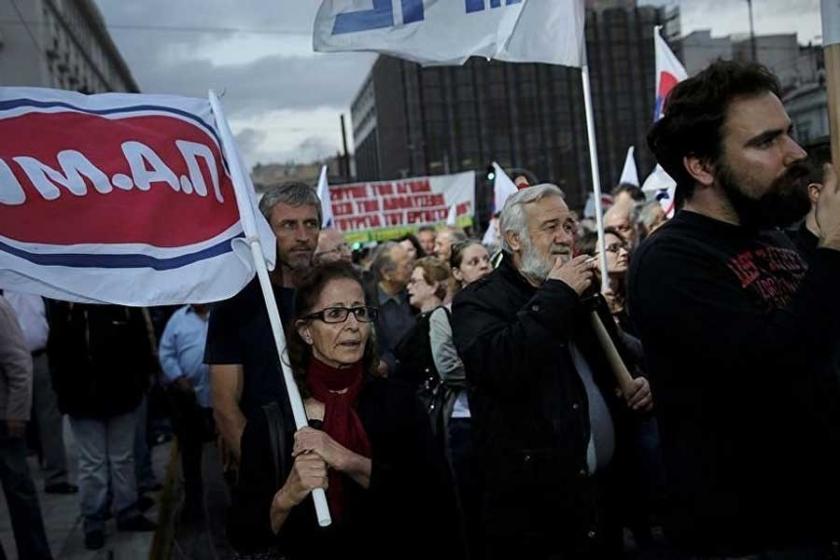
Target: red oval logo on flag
{"type": "Point", "coordinates": [145, 175]}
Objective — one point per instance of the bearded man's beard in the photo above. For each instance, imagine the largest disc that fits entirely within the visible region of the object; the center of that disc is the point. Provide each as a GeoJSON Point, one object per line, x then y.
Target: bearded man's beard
{"type": "Point", "coordinates": [536, 266]}
{"type": "Point", "coordinates": [785, 203]}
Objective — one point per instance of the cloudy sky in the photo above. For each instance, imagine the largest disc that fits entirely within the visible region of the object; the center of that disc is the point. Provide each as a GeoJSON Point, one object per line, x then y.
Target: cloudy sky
{"type": "Point", "coordinates": [282, 99]}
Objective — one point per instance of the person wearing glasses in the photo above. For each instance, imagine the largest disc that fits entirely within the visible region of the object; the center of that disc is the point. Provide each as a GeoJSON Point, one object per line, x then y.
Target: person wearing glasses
{"type": "Point", "coordinates": [618, 261]}
{"type": "Point", "coordinates": [368, 445]}
{"type": "Point", "coordinates": [332, 247]}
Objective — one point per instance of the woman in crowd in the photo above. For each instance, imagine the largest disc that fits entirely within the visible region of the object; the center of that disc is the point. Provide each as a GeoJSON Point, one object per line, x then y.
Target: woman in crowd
{"type": "Point", "coordinates": [368, 445]}
{"type": "Point", "coordinates": [412, 245]}
{"type": "Point", "coordinates": [433, 358]}
{"type": "Point", "coordinates": [427, 290]}
{"type": "Point", "coordinates": [618, 261]}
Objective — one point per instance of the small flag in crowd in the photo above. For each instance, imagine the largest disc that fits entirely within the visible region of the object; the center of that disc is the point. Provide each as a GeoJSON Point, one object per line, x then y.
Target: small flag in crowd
{"type": "Point", "coordinates": [119, 198]}
{"type": "Point", "coordinates": [629, 175]}
{"type": "Point", "coordinates": [549, 31]}
{"type": "Point", "coordinates": [503, 187]}
{"type": "Point", "coordinates": [326, 203]}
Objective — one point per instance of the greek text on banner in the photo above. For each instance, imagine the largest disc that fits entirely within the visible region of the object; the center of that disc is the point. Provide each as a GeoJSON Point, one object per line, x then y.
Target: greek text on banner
{"type": "Point", "coordinates": [386, 209]}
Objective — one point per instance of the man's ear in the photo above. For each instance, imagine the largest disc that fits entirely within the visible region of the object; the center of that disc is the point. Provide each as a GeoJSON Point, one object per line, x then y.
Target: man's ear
{"type": "Point", "coordinates": [814, 192]}
{"type": "Point", "coordinates": [513, 240]}
{"type": "Point", "coordinates": [700, 169]}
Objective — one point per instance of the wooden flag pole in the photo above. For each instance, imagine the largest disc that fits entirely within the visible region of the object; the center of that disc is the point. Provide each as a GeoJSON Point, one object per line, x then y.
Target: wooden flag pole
{"type": "Point", "coordinates": [831, 46]}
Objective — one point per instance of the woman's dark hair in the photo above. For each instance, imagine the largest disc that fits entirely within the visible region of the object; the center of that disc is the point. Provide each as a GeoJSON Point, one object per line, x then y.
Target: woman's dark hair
{"type": "Point", "coordinates": [414, 242]}
{"type": "Point", "coordinates": [587, 244]}
{"type": "Point", "coordinates": [308, 290]}
{"type": "Point", "coordinates": [695, 113]}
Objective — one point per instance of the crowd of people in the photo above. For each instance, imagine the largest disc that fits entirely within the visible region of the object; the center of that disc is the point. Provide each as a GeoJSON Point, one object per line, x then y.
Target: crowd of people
{"type": "Point", "coordinates": [461, 400]}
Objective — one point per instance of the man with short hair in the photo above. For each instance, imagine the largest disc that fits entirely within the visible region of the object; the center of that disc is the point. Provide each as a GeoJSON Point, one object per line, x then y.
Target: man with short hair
{"type": "Point", "coordinates": [391, 269]}
{"type": "Point", "coordinates": [445, 239]}
{"type": "Point", "coordinates": [426, 236]}
{"type": "Point", "coordinates": [244, 365]}
{"type": "Point", "coordinates": [740, 335]}
{"type": "Point", "coordinates": [332, 247]}
{"type": "Point", "coordinates": [542, 396]}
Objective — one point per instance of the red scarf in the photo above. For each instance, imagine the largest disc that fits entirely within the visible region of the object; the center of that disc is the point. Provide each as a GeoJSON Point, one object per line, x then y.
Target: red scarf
{"type": "Point", "coordinates": [340, 419]}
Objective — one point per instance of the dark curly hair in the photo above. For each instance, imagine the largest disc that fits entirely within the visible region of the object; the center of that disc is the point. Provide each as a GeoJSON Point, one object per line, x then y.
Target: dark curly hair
{"type": "Point", "coordinates": [696, 111]}
{"type": "Point", "coordinates": [308, 290]}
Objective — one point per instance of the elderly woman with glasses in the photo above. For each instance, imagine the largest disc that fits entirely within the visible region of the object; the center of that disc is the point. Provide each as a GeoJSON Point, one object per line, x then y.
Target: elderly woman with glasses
{"type": "Point", "coordinates": [368, 445]}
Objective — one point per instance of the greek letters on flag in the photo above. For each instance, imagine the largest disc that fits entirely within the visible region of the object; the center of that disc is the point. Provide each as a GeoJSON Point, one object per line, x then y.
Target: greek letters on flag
{"type": "Point", "coordinates": [118, 198]}
{"type": "Point", "coordinates": [451, 31]}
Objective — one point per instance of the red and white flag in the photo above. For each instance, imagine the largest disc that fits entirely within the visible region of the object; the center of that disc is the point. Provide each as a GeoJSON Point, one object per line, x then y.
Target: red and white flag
{"type": "Point", "coordinates": [669, 72]}
{"type": "Point", "coordinates": [120, 198]}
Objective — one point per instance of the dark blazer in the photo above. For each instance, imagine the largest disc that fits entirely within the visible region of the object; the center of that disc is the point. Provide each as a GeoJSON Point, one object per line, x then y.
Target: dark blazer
{"type": "Point", "coordinates": [101, 358]}
{"type": "Point", "coordinates": [407, 512]}
{"type": "Point", "coordinates": [530, 412]}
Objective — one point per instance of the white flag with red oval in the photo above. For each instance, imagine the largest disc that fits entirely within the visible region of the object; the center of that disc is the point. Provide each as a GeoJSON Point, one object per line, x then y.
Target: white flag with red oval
{"type": "Point", "coordinates": [119, 198]}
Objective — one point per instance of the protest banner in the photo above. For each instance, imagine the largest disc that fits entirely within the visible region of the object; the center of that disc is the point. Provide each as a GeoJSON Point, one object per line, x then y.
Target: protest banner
{"type": "Point", "coordinates": [382, 210]}
{"type": "Point", "coordinates": [118, 198]}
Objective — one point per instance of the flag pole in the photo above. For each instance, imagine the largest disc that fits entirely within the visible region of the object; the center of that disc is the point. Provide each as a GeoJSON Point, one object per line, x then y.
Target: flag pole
{"type": "Point", "coordinates": [623, 377]}
{"type": "Point", "coordinates": [596, 177]}
{"type": "Point", "coordinates": [250, 228]}
{"type": "Point", "coordinates": [831, 47]}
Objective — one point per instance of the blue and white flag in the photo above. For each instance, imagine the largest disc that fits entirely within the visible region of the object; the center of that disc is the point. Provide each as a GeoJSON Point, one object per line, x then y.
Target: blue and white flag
{"type": "Point", "coordinates": [434, 32]}
{"type": "Point", "coordinates": [121, 198]}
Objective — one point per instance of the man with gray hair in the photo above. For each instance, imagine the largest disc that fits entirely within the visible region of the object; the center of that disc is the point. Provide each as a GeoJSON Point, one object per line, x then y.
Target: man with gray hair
{"type": "Point", "coordinates": [391, 268]}
{"type": "Point", "coordinates": [244, 365]}
{"type": "Point", "coordinates": [541, 393]}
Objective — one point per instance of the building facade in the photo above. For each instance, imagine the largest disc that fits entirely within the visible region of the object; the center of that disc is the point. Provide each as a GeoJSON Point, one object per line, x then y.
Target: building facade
{"type": "Point", "coordinates": [409, 120]}
{"type": "Point", "coordinates": [61, 44]}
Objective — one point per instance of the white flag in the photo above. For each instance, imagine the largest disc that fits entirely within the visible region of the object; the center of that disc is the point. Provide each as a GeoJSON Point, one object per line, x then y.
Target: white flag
{"type": "Point", "coordinates": [451, 31]}
{"type": "Point", "coordinates": [629, 175]}
{"type": "Point", "coordinates": [324, 195]}
{"type": "Point", "coordinates": [503, 187]}
{"type": "Point", "coordinates": [452, 216]}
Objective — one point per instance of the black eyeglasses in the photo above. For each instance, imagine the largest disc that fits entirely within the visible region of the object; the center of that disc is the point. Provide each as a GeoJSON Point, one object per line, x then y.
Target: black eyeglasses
{"type": "Point", "coordinates": [363, 313]}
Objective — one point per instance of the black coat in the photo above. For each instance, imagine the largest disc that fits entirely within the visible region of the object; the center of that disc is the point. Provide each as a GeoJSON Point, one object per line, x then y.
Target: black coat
{"type": "Point", "coordinates": [101, 358]}
{"type": "Point", "coordinates": [407, 512]}
{"type": "Point", "coordinates": [530, 412]}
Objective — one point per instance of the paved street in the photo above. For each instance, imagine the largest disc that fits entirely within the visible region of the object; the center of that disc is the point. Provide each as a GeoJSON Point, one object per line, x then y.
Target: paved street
{"type": "Point", "coordinates": [64, 524]}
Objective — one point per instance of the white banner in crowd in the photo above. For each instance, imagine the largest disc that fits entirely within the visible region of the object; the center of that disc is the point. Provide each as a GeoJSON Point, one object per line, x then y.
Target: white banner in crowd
{"type": "Point", "coordinates": [450, 31]}
{"type": "Point", "coordinates": [387, 209]}
{"type": "Point", "coordinates": [119, 198]}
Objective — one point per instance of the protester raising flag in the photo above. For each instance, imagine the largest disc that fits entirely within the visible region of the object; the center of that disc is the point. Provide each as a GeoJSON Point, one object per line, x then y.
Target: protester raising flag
{"type": "Point", "coordinates": [451, 32]}
{"type": "Point", "coordinates": [669, 72]}
{"type": "Point", "coordinates": [324, 195]}
{"type": "Point", "coordinates": [119, 198]}
{"type": "Point", "coordinates": [134, 200]}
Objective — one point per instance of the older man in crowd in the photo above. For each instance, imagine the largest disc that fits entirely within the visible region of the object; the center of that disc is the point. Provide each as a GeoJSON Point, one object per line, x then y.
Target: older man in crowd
{"type": "Point", "coordinates": [391, 270]}
{"type": "Point", "coordinates": [447, 237]}
{"type": "Point", "coordinates": [542, 396]}
{"type": "Point", "coordinates": [740, 335]}
{"type": "Point", "coordinates": [332, 247]}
